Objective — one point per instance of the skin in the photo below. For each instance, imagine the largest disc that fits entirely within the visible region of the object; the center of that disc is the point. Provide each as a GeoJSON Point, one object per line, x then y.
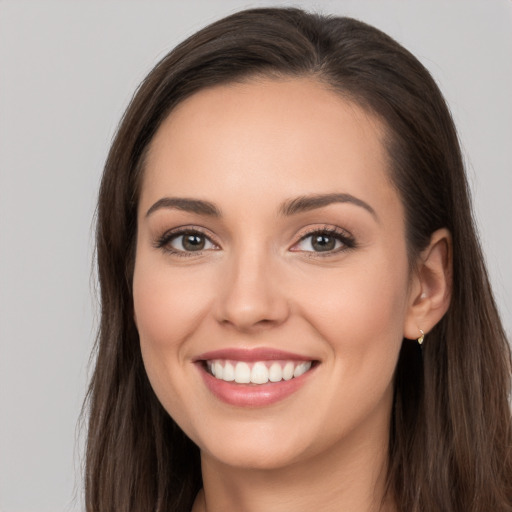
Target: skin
{"type": "Point", "coordinates": [259, 283]}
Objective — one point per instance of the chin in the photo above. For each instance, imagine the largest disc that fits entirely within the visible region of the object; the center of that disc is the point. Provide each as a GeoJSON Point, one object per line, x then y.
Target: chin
{"type": "Point", "coordinates": [254, 457]}
{"type": "Point", "coordinates": [259, 447]}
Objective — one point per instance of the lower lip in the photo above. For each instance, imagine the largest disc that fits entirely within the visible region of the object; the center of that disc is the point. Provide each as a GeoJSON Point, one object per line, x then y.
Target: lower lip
{"type": "Point", "coordinates": [253, 395]}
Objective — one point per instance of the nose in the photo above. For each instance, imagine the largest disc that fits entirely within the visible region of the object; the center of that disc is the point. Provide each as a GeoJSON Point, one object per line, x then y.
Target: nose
{"type": "Point", "coordinates": [252, 296]}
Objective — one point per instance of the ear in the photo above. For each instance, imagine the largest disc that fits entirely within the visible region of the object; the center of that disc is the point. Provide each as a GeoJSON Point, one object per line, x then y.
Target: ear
{"type": "Point", "coordinates": [431, 286]}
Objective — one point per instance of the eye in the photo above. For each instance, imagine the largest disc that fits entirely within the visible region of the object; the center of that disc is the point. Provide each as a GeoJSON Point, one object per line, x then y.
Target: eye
{"type": "Point", "coordinates": [325, 241]}
{"type": "Point", "coordinates": [185, 241]}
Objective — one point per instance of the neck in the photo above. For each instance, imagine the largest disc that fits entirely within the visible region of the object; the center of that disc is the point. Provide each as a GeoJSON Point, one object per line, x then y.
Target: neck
{"type": "Point", "coordinates": [351, 476]}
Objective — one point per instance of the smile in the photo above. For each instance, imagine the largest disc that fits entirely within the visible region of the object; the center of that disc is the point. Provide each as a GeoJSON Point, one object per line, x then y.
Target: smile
{"type": "Point", "coordinates": [256, 377]}
{"type": "Point", "coordinates": [258, 372]}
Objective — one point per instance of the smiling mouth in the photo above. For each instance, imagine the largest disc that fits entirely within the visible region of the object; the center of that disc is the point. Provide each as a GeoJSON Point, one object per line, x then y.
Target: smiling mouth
{"type": "Point", "coordinates": [257, 372]}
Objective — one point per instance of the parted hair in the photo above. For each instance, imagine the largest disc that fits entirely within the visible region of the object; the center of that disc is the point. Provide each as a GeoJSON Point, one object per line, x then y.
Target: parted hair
{"type": "Point", "coordinates": [450, 443]}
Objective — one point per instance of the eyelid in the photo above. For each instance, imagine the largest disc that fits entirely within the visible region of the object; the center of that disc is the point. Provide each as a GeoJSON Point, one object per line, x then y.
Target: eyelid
{"type": "Point", "coordinates": [163, 241]}
{"type": "Point", "coordinates": [346, 238]}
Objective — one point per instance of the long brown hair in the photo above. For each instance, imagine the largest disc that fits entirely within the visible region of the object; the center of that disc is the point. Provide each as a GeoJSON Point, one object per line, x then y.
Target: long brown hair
{"type": "Point", "coordinates": [450, 446]}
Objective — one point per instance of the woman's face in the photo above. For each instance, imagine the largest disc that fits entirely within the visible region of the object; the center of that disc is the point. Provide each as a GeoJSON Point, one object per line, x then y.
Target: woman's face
{"type": "Point", "coordinates": [271, 244]}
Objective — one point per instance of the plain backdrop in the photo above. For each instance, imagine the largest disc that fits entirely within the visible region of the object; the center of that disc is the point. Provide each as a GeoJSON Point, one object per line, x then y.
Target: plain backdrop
{"type": "Point", "coordinates": [67, 72]}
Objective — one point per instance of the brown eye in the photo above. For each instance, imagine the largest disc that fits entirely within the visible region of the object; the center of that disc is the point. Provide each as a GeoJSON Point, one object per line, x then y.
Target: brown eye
{"type": "Point", "coordinates": [193, 242]}
{"type": "Point", "coordinates": [326, 241]}
{"type": "Point", "coordinates": [323, 242]}
{"type": "Point", "coordinates": [320, 242]}
{"type": "Point", "coordinates": [189, 241]}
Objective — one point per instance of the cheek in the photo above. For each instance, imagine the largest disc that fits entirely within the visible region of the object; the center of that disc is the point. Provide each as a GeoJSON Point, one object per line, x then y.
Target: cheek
{"type": "Point", "coordinates": [166, 307]}
{"type": "Point", "coordinates": [167, 310]}
{"type": "Point", "coordinates": [359, 310]}
{"type": "Point", "coordinates": [358, 313]}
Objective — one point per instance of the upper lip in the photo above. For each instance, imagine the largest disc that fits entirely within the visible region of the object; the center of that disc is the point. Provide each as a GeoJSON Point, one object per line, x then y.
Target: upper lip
{"type": "Point", "coordinates": [251, 355]}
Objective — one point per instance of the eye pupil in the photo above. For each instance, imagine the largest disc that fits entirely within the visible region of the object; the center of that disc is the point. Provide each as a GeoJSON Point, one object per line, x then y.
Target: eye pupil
{"type": "Point", "coordinates": [323, 243]}
{"type": "Point", "coordinates": [193, 242]}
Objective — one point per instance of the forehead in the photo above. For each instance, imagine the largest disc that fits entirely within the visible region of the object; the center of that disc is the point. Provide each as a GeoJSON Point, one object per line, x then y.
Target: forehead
{"type": "Point", "coordinates": [266, 138]}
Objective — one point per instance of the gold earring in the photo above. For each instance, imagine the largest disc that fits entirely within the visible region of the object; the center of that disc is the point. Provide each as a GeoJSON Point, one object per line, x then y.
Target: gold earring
{"type": "Point", "coordinates": [421, 338]}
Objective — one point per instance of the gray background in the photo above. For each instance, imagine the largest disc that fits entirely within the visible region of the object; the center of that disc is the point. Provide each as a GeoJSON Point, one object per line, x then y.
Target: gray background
{"type": "Point", "coordinates": [67, 71]}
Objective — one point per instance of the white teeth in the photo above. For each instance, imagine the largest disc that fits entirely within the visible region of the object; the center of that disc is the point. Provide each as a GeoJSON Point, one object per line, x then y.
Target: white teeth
{"type": "Point", "coordinates": [242, 373]}
{"type": "Point", "coordinates": [260, 372]}
{"type": "Point", "coordinates": [288, 371]}
{"type": "Point", "coordinates": [302, 368]}
{"type": "Point", "coordinates": [229, 372]}
{"type": "Point", "coordinates": [217, 369]}
{"type": "Point", "coordinates": [275, 373]}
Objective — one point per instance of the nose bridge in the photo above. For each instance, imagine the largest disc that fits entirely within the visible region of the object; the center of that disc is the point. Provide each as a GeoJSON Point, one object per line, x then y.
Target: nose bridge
{"type": "Point", "coordinates": [252, 295]}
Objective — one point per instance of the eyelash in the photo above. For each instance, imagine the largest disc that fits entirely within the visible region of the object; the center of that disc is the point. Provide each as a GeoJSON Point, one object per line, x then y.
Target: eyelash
{"type": "Point", "coordinates": [343, 236]}
{"type": "Point", "coordinates": [347, 240]}
{"type": "Point", "coordinates": [164, 241]}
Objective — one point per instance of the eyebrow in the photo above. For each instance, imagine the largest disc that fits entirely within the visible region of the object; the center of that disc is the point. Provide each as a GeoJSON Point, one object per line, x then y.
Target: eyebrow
{"type": "Point", "coordinates": [290, 207]}
{"type": "Point", "coordinates": [198, 206]}
{"type": "Point", "coordinates": [311, 202]}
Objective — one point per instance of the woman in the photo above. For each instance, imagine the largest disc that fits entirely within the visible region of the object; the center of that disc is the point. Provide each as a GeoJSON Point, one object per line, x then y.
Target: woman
{"type": "Point", "coordinates": [295, 309]}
